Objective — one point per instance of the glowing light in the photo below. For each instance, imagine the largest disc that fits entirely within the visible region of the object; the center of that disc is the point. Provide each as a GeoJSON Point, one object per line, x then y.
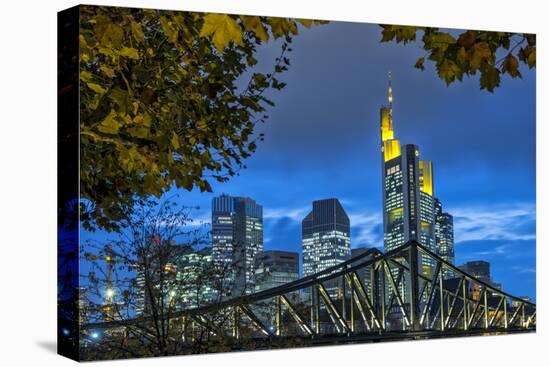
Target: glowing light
{"type": "Point", "coordinates": [395, 214]}
{"type": "Point", "coordinates": [110, 292]}
{"type": "Point", "coordinates": [392, 149]}
{"type": "Point", "coordinates": [426, 177]}
{"type": "Point", "coordinates": [108, 258]}
{"type": "Point", "coordinates": [386, 124]}
{"type": "Point", "coordinates": [95, 335]}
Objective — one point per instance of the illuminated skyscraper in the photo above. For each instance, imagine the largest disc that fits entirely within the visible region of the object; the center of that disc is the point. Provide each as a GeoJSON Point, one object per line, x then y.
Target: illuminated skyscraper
{"type": "Point", "coordinates": [407, 182]}
{"type": "Point", "coordinates": [237, 238]}
{"type": "Point", "coordinates": [444, 236]}
{"type": "Point", "coordinates": [275, 268]}
{"type": "Point", "coordinates": [325, 236]}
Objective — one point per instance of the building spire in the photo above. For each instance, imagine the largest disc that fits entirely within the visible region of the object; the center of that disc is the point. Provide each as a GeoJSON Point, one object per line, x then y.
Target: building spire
{"type": "Point", "coordinates": [390, 96]}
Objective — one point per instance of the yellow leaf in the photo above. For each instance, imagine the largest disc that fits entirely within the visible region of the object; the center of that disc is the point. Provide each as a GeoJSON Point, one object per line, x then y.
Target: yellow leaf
{"type": "Point", "coordinates": [85, 76]}
{"type": "Point", "coordinates": [129, 52]}
{"type": "Point", "coordinates": [175, 141]}
{"type": "Point", "coordinates": [223, 30]}
{"type": "Point", "coordinates": [96, 88]}
{"type": "Point", "coordinates": [107, 71]}
{"type": "Point", "coordinates": [305, 22]}
{"type": "Point", "coordinates": [109, 125]}
{"type": "Point", "coordinates": [169, 30]}
{"type": "Point", "coordinates": [137, 31]}
{"type": "Point", "coordinates": [254, 24]}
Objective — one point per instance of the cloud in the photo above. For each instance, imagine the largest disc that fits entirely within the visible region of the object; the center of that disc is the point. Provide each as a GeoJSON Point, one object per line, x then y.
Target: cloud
{"type": "Point", "coordinates": [297, 214]}
{"type": "Point", "coordinates": [498, 250]}
{"type": "Point", "coordinates": [514, 221]}
{"type": "Point", "coordinates": [524, 269]}
{"type": "Point", "coordinates": [366, 228]}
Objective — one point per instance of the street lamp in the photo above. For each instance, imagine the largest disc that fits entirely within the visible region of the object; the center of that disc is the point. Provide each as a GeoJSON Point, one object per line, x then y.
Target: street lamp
{"type": "Point", "coordinates": [109, 293]}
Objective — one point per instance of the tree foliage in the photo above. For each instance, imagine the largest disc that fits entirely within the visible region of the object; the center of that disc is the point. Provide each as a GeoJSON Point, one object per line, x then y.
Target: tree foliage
{"type": "Point", "coordinates": [163, 103]}
{"type": "Point", "coordinates": [469, 52]}
{"type": "Point", "coordinates": [172, 99]}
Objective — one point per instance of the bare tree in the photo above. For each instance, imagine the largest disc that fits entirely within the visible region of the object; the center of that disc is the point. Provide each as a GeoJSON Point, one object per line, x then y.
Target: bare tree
{"type": "Point", "coordinates": [141, 279]}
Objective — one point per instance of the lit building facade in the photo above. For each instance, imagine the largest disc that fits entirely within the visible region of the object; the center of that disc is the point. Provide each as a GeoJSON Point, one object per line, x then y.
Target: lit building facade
{"type": "Point", "coordinates": [444, 236]}
{"type": "Point", "coordinates": [325, 236]}
{"type": "Point", "coordinates": [408, 191]}
{"type": "Point", "coordinates": [479, 269]}
{"type": "Point", "coordinates": [237, 238]}
{"type": "Point", "coordinates": [275, 268]}
{"type": "Point", "coordinates": [183, 283]}
{"type": "Point", "coordinates": [325, 239]}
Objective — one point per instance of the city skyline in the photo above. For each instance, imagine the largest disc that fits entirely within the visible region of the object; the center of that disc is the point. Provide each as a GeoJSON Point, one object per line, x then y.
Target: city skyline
{"type": "Point", "coordinates": [485, 169]}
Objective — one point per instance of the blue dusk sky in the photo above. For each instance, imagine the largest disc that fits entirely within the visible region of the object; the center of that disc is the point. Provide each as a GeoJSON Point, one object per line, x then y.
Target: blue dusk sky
{"type": "Point", "coordinates": [322, 140]}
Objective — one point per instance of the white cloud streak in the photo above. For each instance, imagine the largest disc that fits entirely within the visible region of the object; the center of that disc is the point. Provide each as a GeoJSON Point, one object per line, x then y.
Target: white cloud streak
{"type": "Point", "coordinates": [496, 222]}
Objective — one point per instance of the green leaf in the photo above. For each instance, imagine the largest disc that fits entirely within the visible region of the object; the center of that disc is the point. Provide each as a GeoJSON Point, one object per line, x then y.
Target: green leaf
{"type": "Point", "coordinates": [223, 29]}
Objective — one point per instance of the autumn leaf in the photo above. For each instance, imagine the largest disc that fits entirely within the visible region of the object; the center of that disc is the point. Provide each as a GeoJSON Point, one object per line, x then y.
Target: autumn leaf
{"type": "Point", "coordinates": [109, 125]}
{"type": "Point", "coordinates": [419, 63]}
{"type": "Point", "coordinates": [478, 54]}
{"type": "Point", "coordinates": [137, 32]}
{"type": "Point", "coordinates": [169, 30]}
{"type": "Point", "coordinates": [254, 24]}
{"type": "Point", "coordinates": [129, 52]}
{"type": "Point", "coordinates": [490, 77]}
{"type": "Point", "coordinates": [448, 71]}
{"type": "Point", "coordinates": [223, 29]}
{"type": "Point", "coordinates": [510, 65]}
{"type": "Point", "coordinates": [96, 88]}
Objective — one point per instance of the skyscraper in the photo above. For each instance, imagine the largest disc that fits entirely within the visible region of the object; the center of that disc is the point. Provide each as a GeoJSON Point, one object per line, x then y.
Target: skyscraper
{"type": "Point", "coordinates": [407, 182]}
{"type": "Point", "coordinates": [478, 269]}
{"type": "Point", "coordinates": [275, 268]}
{"type": "Point", "coordinates": [444, 236]}
{"type": "Point", "coordinates": [237, 238]}
{"type": "Point", "coordinates": [325, 237]}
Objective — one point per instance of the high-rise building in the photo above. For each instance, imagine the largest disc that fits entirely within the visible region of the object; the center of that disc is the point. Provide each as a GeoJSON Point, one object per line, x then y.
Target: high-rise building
{"type": "Point", "coordinates": [408, 191]}
{"type": "Point", "coordinates": [478, 269]}
{"type": "Point", "coordinates": [275, 268]}
{"type": "Point", "coordinates": [325, 239]}
{"type": "Point", "coordinates": [182, 280]}
{"type": "Point", "coordinates": [237, 238]}
{"type": "Point", "coordinates": [325, 236]}
{"type": "Point", "coordinates": [444, 236]}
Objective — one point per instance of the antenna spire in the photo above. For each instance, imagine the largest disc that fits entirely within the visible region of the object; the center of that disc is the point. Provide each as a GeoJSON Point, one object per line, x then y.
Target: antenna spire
{"type": "Point", "coordinates": [390, 96]}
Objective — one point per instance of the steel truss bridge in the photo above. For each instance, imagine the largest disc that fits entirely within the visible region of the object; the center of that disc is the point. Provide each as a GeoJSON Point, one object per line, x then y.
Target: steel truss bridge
{"type": "Point", "coordinates": [406, 293]}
